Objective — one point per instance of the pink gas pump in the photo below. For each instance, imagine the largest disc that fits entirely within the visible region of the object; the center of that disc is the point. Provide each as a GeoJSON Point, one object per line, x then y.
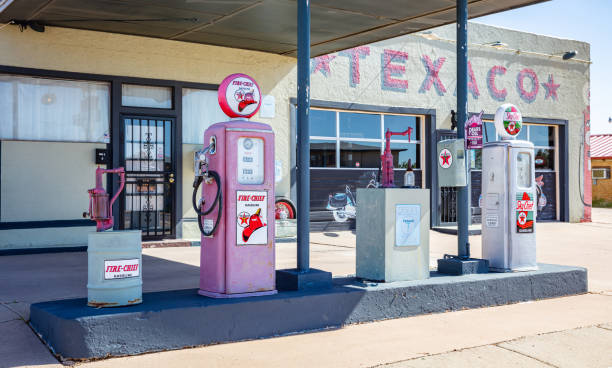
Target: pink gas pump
{"type": "Point", "coordinates": [100, 210]}
{"type": "Point", "coordinates": [387, 158]}
{"type": "Point", "coordinates": [236, 211]}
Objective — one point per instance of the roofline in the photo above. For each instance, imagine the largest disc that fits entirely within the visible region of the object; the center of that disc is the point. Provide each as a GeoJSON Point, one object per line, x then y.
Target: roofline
{"type": "Point", "coordinates": [601, 158]}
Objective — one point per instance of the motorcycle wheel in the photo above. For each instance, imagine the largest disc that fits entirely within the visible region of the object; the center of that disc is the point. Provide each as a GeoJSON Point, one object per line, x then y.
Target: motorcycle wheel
{"type": "Point", "coordinates": [283, 210]}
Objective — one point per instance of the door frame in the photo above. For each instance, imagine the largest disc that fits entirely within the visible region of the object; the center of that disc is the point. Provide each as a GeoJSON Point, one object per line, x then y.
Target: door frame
{"type": "Point", "coordinates": [174, 169]}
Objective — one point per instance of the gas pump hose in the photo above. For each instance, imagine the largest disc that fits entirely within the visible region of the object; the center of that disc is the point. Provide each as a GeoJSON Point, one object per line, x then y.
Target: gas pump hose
{"type": "Point", "coordinates": [218, 201]}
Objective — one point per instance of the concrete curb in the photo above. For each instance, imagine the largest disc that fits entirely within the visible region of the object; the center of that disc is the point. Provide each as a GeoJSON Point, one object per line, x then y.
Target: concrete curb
{"type": "Point", "coordinates": [181, 318]}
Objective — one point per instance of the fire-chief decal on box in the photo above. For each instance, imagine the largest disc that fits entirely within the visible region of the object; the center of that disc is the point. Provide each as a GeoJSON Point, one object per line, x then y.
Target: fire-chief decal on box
{"type": "Point", "coordinates": [121, 268]}
{"type": "Point", "coordinates": [524, 213]}
{"type": "Point", "coordinates": [251, 214]}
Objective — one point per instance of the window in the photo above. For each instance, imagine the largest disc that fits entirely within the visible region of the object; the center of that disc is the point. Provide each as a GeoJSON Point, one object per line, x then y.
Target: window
{"type": "Point", "coordinates": [322, 153]}
{"type": "Point", "coordinates": [600, 173]}
{"type": "Point", "coordinates": [200, 110]}
{"type": "Point", "coordinates": [542, 137]}
{"type": "Point", "coordinates": [359, 154]}
{"type": "Point", "coordinates": [323, 123]}
{"type": "Point", "coordinates": [340, 139]}
{"type": "Point", "coordinates": [135, 95]}
{"type": "Point", "coordinates": [43, 109]}
{"type": "Point", "coordinates": [359, 125]}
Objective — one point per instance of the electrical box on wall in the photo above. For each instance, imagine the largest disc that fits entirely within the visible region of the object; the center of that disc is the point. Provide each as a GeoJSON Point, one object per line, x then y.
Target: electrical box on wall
{"type": "Point", "coordinates": [451, 163]}
{"type": "Point", "coordinates": [101, 156]}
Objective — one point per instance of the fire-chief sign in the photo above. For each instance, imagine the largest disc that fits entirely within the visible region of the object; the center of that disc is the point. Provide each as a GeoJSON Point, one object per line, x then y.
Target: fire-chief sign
{"type": "Point", "coordinates": [524, 212]}
{"type": "Point", "coordinates": [251, 214]}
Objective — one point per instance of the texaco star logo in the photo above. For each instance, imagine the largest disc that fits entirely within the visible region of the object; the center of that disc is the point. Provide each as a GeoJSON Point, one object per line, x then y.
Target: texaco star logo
{"type": "Point", "coordinates": [445, 158]}
{"type": "Point", "coordinates": [243, 218]}
{"type": "Point", "coordinates": [522, 218]}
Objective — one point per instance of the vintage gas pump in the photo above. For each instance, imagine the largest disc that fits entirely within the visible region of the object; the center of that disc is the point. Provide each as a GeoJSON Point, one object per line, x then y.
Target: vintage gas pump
{"type": "Point", "coordinates": [387, 158]}
{"type": "Point", "coordinates": [114, 258]}
{"type": "Point", "coordinates": [509, 196]}
{"type": "Point", "coordinates": [236, 210]}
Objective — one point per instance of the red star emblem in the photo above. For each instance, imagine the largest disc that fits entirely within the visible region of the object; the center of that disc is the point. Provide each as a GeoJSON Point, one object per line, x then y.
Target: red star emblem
{"type": "Point", "coordinates": [551, 88]}
{"type": "Point", "coordinates": [243, 218]}
{"type": "Point", "coordinates": [445, 158]}
{"type": "Point", "coordinates": [322, 63]}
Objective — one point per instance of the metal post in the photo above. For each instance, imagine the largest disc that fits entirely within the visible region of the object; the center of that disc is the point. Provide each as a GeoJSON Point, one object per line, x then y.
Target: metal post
{"type": "Point", "coordinates": [463, 193]}
{"type": "Point", "coordinates": [303, 137]}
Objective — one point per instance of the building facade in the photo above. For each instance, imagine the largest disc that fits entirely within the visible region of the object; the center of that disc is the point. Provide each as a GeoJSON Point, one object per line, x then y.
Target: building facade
{"type": "Point", "coordinates": [146, 102]}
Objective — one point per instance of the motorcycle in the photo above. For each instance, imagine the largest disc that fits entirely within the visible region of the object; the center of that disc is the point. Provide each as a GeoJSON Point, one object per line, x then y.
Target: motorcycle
{"type": "Point", "coordinates": [541, 197]}
{"type": "Point", "coordinates": [342, 205]}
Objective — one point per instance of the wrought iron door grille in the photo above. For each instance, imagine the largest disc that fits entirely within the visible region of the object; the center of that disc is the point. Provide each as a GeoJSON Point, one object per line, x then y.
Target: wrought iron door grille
{"type": "Point", "coordinates": [149, 204]}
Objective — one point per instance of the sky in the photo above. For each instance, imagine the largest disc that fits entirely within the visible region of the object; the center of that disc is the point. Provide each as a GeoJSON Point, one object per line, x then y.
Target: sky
{"type": "Point", "coordinates": [581, 20]}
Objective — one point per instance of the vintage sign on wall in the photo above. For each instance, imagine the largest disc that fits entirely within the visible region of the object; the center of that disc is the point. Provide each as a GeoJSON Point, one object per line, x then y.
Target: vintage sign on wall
{"type": "Point", "coordinates": [473, 132]}
{"type": "Point", "coordinates": [395, 76]}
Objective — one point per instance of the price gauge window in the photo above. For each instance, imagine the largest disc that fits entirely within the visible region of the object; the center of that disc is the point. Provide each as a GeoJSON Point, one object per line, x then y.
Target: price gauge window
{"type": "Point", "coordinates": [523, 170]}
{"type": "Point", "coordinates": [250, 160]}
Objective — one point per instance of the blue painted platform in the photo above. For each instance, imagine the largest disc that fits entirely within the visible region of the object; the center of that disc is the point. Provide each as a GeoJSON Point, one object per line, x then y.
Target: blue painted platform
{"type": "Point", "coordinates": [182, 318]}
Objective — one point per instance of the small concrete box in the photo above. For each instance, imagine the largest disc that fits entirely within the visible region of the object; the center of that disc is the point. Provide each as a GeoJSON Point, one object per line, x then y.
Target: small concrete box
{"type": "Point", "coordinates": [451, 163]}
{"type": "Point", "coordinates": [392, 234]}
{"type": "Point", "coordinates": [114, 268]}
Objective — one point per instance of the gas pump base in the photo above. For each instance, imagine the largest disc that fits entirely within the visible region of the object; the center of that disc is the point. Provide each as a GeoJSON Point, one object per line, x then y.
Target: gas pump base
{"type": "Point", "coordinates": [211, 294]}
{"type": "Point", "coordinates": [453, 265]}
{"type": "Point", "coordinates": [185, 319]}
{"type": "Point", "coordinates": [313, 279]}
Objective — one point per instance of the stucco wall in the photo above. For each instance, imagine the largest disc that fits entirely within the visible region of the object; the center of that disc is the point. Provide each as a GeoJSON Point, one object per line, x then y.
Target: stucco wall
{"type": "Point", "coordinates": [365, 76]}
{"type": "Point", "coordinates": [122, 55]}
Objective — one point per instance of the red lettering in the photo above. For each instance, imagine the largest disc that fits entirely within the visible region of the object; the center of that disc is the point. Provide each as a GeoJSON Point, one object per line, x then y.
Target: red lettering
{"type": "Point", "coordinates": [108, 268]}
{"type": "Point", "coordinates": [499, 95]}
{"type": "Point", "coordinates": [472, 85]}
{"type": "Point", "coordinates": [354, 55]}
{"type": "Point", "coordinates": [432, 77]}
{"type": "Point", "coordinates": [394, 70]}
{"type": "Point", "coordinates": [535, 85]}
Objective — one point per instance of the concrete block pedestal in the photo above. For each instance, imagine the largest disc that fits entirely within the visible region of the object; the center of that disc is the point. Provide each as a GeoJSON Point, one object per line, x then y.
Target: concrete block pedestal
{"type": "Point", "coordinates": [392, 234]}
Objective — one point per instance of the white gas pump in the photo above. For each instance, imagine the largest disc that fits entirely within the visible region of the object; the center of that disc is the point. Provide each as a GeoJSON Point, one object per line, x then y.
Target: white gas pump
{"type": "Point", "coordinates": [509, 196]}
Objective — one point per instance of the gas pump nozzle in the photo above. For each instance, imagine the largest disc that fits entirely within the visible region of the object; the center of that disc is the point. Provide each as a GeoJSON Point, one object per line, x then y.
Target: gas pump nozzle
{"type": "Point", "coordinates": [202, 174]}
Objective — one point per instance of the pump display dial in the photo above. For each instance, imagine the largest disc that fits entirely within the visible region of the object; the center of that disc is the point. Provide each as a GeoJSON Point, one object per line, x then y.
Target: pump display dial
{"type": "Point", "coordinates": [250, 160]}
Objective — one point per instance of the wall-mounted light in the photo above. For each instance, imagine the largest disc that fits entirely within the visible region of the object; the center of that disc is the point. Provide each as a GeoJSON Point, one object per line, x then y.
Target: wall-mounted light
{"type": "Point", "coordinates": [497, 44]}
{"type": "Point", "coordinates": [569, 54]}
